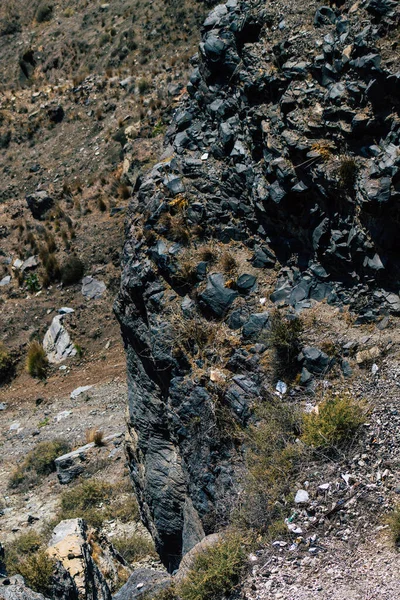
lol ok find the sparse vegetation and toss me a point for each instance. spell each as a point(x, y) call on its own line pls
point(216, 571)
point(88, 500)
point(228, 263)
point(96, 436)
point(393, 521)
point(36, 362)
point(72, 271)
point(26, 556)
point(334, 423)
point(125, 508)
point(40, 461)
point(285, 338)
point(134, 547)
point(347, 172)
point(44, 12)
point(6, 365)
point(273, 459)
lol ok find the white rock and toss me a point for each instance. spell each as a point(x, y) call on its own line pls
point(57, 343)
point(302, 497)
point(80, 390)
point(281, 388)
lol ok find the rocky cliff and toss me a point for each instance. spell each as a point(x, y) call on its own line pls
point(279, 184)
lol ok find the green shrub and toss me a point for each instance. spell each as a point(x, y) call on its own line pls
point(285, 338)
point(394, 525)
point(26, 556)
point(215, 572)
point(40, 461)
point(89, 500)
point(32, 283)
point(273, 462)
point(37, 363)
point(42, 458)
point(335, 423)
point(134, 547)
point(72, 271)
point(44, 12)
point(6, 365)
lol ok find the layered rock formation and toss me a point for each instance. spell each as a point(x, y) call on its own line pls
point(286, 150)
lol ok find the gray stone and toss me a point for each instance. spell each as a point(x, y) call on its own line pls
point(57, 342)
point(144, 582)
point(14, 588)
point(93, 288)
point(5, 281)
point(216, 297)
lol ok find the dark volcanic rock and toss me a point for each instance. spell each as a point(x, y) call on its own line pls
point(216, 298)
point(285, 148)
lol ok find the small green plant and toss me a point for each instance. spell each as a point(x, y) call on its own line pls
point(285, 338)
point(37, 363)
point(88, 500)
point(44, 12)
point(79, 350)
point(44, 423)
point(335, 422)
point(393, 521)
point(32, 283)
point(26, 556)
point(216, 571)
point(6, 365)
point(159, 129)
point(134, 547)
point(72, 271)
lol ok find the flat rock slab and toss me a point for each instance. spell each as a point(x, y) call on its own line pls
point(72, 464)
point(57, 343)
point(93, 288)
point(80, 390)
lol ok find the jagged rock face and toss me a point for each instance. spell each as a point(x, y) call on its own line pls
point(70, 547)
point(284, 145)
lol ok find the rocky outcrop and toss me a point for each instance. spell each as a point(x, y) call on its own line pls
point(69, 545)
point(283, 149)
